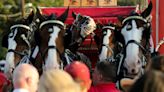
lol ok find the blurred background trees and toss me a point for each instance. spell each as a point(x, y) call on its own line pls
point(10, 10)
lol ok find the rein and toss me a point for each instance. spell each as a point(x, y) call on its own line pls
point(137, 43)
point(145, 51)
point(109, 48)
point(16, 52)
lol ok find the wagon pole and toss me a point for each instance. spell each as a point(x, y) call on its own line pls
point(23, 8)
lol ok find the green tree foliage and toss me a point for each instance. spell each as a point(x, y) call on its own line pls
point(142, 3)
point(49, 3)
point(127, 2)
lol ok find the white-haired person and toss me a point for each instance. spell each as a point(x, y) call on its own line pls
point(25, 78)
point(56, 80)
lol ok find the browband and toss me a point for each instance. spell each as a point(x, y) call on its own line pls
point(110, 27)
point(134, 17)
point(20, 25)
point(51, 21)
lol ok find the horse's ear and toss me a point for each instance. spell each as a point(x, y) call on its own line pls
point(64, 16)
point(120, 18)
point(5, 40)
point(119, 37)
point(97, 32)
point(52, 16)
point(97, 39)
point(111, 24)
point(74, 15)
point(30, 17)
point(39, 15)
point(99, 26)
point(147, 11)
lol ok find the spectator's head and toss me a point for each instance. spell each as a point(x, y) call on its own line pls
point(80, 73)
point(104, 72)
point(26, 76)
point(3, 82)
point(57, 81)
point(157, 63)
point(152, 81)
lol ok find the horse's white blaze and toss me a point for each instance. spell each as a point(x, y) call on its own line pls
point(51, 60)
point(10, 55)
point(103, 54)
point(132, 50)
point(92, 24)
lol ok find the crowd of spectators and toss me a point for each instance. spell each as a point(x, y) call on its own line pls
point(76, 77)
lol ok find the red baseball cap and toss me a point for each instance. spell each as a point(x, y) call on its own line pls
point(78, 70)
point(3, 80)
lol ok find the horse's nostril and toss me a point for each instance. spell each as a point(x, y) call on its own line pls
point(133, 70)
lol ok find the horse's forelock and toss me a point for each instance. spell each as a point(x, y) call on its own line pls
point(134, 13)
point(22, 21)
point(52, 17)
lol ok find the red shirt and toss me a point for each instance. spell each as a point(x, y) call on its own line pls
point(108, 87)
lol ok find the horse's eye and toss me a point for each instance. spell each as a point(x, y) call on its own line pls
point(37, 20)
point(139, 62)
point(50, 30)
point(76, 23)
point(104, 32)
point(87, 22)
point(146, 25)
point(129, 27)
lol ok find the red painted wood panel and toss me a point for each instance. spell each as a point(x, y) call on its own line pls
point(103, 14)
point(161, 22)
